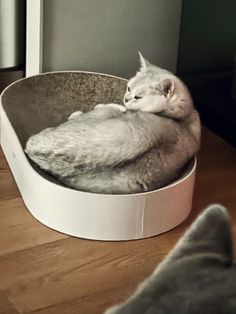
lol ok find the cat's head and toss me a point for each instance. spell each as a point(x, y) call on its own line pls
point(197, 277)
point(157, 90)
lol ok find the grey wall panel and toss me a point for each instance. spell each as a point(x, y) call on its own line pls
point(208, 35)
point(12, 33)
point(104, 35)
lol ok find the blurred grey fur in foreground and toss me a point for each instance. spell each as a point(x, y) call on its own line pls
point(197, 277)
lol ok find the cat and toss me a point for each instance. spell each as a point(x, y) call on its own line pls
point(120, 149)
point(197, 277)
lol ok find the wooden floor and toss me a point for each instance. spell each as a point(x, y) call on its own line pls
point(43, 271)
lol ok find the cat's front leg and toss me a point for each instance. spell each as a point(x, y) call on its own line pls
point(121, 108)
point(75, 114)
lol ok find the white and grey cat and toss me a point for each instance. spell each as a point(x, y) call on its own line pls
point(197, 277)
point(136, 147)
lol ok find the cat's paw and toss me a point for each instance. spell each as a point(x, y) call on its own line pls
point(100, 106)
point(114, 106)
point(75, 114)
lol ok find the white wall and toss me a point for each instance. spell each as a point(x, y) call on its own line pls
point(104, 35)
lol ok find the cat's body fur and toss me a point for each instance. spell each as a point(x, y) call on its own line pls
point(124, 149)
point(197, 277)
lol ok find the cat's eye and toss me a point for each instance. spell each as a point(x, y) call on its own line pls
point(128, 89)
point(137, 97)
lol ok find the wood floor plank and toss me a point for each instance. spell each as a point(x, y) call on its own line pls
point(19, 229)
point(75, 269)
point(8, 187)
point(3, 162)
point(5, 305)
point(216, 174)
point(45, 272)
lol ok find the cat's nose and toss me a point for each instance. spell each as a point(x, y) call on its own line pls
point(126, 100)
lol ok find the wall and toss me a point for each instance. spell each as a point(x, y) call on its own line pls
point(208, 35)
point(104, 35)
point(12, 33)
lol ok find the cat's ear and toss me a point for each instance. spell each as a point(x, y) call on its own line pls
point(167, 87)
point(143, 62)
point(210, 233)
